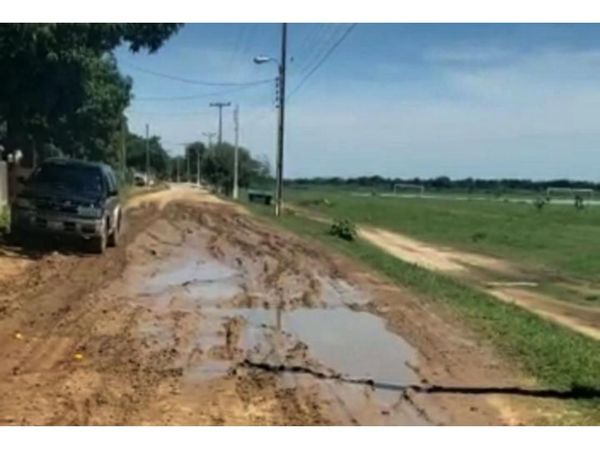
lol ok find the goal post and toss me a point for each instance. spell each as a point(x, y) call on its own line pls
point(406, 188)
point(565, 192)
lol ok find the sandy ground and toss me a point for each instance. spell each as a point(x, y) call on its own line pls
point(482, 271)
point(430, 256)
point(205, 316)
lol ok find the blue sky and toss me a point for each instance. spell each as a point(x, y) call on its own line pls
point(480, 100)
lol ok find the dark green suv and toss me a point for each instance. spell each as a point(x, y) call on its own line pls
point(70, 198)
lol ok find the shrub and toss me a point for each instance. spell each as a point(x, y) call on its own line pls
point(344, 229)
point(539, 203)
point(4, 218)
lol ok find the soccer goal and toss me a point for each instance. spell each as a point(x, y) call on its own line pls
point(413, 189)
point(563, 192)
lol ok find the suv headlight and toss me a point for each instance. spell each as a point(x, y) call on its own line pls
point(22, 202)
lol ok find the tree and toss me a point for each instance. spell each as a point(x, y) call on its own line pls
point(192, 152)
point(136, 155)
point(217, 167)
point(60, 87)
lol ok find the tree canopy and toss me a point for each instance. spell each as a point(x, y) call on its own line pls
point(60, 87)
point(159, 160)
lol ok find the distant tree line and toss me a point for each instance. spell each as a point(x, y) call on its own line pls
point(216, 166)
point(440, 183)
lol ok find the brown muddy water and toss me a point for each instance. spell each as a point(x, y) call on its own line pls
point(328, 334)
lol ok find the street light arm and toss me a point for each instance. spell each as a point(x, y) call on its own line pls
point(262, 59)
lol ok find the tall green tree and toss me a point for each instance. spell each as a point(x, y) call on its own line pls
point(160, 163)
point(60, 87)
point(217, 167)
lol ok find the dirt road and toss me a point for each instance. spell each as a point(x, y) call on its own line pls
point(205, 316)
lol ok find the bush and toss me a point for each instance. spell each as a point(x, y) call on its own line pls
point(4, 218)
point(344, 229)
point(539, 203)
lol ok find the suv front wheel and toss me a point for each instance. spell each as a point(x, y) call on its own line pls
point(97, 244)
point(113, 238)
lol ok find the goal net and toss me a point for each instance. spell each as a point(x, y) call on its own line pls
point(403, 188)
point(562, 192)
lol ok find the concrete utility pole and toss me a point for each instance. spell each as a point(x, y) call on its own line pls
point(280, 128)
point(197, 167)
point(123, 151)
point(220, 105)
point(187, 160)
point(210, 137)
point(236, 162)
point(147, 154)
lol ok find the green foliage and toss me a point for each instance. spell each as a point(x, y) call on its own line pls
point(60, 90)
point(216, 167)
point(4, 217)
point(539, 203)
point(160, 164)
point(344, 229)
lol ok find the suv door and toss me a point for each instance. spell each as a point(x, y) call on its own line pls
point(112, 205)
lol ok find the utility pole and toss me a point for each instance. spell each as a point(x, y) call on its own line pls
point(220, 105)
point(280, 128)
point(123, 151)
point(210, 137)
point(236, 162)
point(187, 159)
point(198, 167)
point(178, 176)
point(147, 154)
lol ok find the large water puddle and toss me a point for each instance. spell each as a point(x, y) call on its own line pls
point(332, 339)
point(353, 344)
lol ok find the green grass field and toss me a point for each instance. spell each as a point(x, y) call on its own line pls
point(555, 356)
point(559, 239)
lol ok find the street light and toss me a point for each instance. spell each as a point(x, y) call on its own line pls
point(262, 59)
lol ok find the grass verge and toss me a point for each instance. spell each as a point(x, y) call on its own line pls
point(555, 356)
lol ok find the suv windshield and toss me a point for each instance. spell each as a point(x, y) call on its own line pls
point(72, 178)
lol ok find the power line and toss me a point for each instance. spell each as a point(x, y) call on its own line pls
point(309, 40)
point(208, 94)
point(323, 38)
point(191, 81)
point(167, 113)
point(323, 59)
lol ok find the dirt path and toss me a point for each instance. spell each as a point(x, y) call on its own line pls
point(205, 316)
point(480, 271)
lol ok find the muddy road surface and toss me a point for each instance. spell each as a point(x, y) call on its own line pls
point(205, 315)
